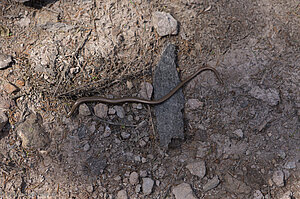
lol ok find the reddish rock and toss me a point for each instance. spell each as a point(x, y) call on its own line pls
point(10, 88)
point(20, 83)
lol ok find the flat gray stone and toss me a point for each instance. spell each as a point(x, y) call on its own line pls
point(169, 115)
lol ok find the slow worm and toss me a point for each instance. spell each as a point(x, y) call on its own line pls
point(139, 100)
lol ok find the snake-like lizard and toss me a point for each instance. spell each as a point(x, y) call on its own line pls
point(139, 100)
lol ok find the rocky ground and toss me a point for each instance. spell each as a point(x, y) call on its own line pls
point(241, 139)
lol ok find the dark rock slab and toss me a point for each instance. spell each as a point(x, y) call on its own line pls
point(169, 115)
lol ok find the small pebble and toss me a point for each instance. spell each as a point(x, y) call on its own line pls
point(286, 174)
point(120, 111)
point(72, 70)
point(139, 106)
point(164, 24)
point(278, 178)
point(157, 182)
point(84, 110)
point(129, 85)
point(197, 168)
point(20, 83)
point(117, 141)
point(107, 132)
point(5, 61)
point(150, 156)
point(144, 160)
point(211, 184)
point(86, 147)
point(111, 111)
point(90, 188)
point(137, 158)
point(101, 110)
point(194, 104)
point(143, 173)
point(10, 88)
point(130, 118)
point(3, 120)
point(92, 127)
point(183, 191)
point(146, 90)
point(290, 165)
point(125, 135)
point(134, 178)
point(258, 195)
point(239, 133)
point(147, 185)
point(142, 124)
point(281, 154)
point(142, 143)
point(138, 188)
point(122, 194)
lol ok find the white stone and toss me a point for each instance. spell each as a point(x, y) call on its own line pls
point(164, 24)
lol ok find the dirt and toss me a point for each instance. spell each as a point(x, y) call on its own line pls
point(247, 131)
